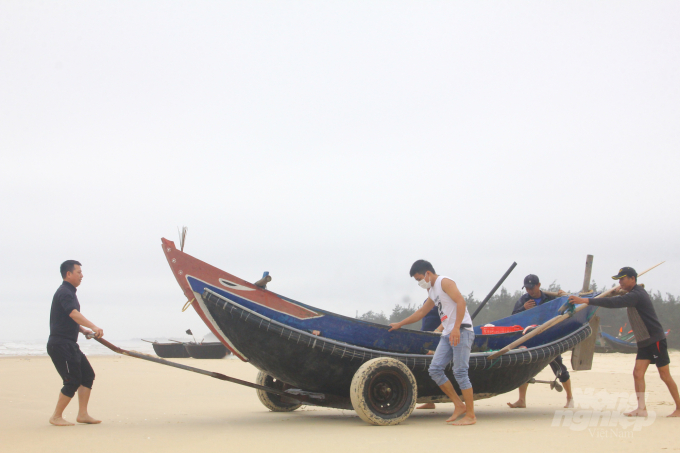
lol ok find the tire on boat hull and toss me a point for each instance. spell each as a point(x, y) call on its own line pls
point(273, 402)
point(383, 391)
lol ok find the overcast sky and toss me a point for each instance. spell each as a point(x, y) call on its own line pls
point(331, 144)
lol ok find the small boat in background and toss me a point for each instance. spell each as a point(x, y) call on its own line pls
point(613, 344)
point(173, 350)
point(625, 344)
point(209, 348)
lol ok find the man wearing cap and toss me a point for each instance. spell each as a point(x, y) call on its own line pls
point(532, 298)
point(650, 337)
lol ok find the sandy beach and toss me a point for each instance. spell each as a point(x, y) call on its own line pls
point(148, 407)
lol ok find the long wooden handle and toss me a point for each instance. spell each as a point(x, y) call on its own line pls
point(500, 282)
point(618, 287)
point(213, 374)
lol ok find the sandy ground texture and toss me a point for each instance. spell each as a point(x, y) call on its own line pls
point(146, 407)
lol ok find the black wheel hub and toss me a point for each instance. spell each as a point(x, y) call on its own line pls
point(387, 392)
point(278, 385)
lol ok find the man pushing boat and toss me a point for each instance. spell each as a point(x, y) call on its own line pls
point(456, 340)
point(650, 337)
point(66, 322)
point(532, 298)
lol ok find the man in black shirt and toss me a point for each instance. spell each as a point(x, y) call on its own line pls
point(66, 322)
point(650, 337)
point(532, 298)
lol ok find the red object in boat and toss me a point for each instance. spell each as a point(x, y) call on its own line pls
point(500, 329)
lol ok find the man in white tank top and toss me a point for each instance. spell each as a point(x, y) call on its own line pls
point(456, 340)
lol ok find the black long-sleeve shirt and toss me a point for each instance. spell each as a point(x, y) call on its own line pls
point(641, 314)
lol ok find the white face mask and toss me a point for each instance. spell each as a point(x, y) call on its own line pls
point(424, 284)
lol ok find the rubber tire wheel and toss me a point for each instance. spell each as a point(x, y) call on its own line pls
point(383, 391)
point(271, 401)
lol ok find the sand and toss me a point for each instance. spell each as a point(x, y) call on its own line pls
point(147, 407)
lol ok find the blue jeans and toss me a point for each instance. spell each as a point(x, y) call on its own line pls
point(461, 360)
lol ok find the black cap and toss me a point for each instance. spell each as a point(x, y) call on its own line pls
point(625, 272)
point(530, 281)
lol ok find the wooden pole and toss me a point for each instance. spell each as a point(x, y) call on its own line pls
point(586, 277)
point(493, 290)
point(212, 374)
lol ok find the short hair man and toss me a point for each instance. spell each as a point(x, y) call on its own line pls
point(66, 322)
point(532, 298)
point(650, 337)
point(456, 340)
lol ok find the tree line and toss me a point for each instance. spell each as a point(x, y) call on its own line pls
point(502, 303)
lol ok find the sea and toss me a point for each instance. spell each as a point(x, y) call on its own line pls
point(89, 347)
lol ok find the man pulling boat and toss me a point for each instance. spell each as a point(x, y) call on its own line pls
point(650, 336)
point(66, 322)
point(456, 340)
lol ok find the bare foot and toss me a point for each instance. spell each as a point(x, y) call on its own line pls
point(570, 403)
point(87, 419)
point(59, 421)
point(636, 413)
point(457, 412)
point(466, 421)
point(676, 413)
point(426, 406)
point(520, 404)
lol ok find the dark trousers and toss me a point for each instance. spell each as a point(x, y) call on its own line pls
point(560, 369)
point(72, 365)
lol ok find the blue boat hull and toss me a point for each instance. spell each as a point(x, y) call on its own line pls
point(613, 344)
point(377, 337)
point(317, 364)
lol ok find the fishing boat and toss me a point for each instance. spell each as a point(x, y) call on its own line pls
point(172, 350)
point(625, 344)
point(382, 386)
point(613, 344)
point(195, 277)
point(214, 350)
point(209, 348)
point(326, 359)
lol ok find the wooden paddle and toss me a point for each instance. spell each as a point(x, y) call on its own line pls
point(556, 320)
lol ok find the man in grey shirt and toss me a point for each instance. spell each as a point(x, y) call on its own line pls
point(650, 337)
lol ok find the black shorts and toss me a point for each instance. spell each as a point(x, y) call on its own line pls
point(656, 353)
point(560, 369)
point(72, 365)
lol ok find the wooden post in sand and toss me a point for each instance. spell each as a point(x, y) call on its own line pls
point(586, 277)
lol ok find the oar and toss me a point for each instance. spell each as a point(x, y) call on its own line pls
point(220, 376)
point(556, 320)
point(488, 296)
point(148, 341)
